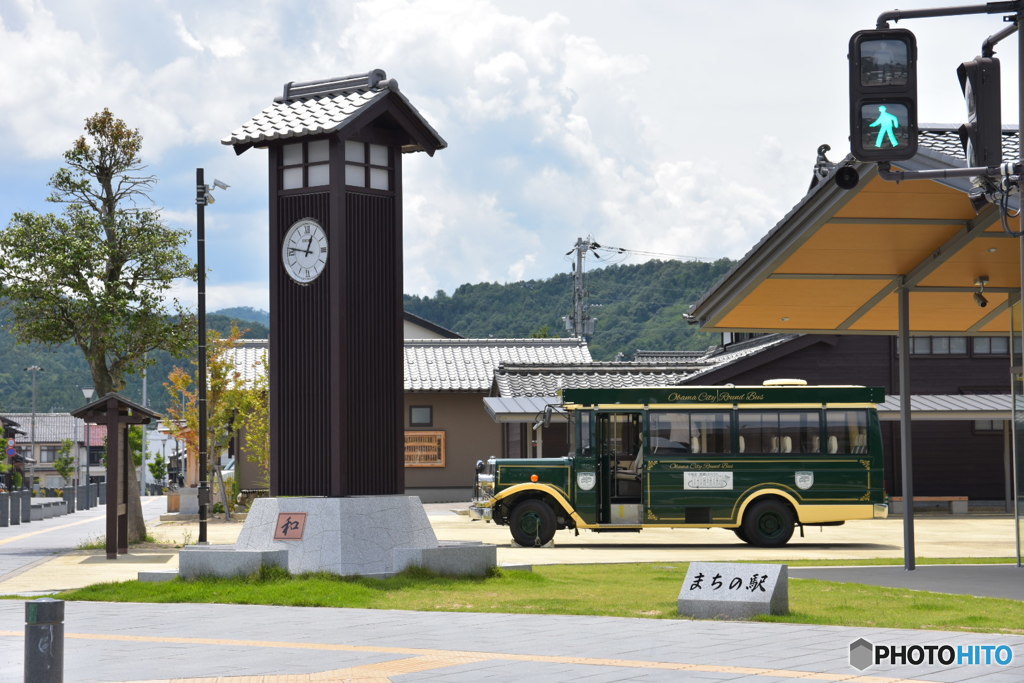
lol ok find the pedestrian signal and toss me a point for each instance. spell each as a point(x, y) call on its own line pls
point(883, 95)
point(982, 135)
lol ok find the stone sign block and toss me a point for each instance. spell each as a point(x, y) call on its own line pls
point(290, 526)
point(727, 590)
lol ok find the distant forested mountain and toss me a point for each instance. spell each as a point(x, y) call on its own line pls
point(636, 306)
point(247, 313)
point(58, 386)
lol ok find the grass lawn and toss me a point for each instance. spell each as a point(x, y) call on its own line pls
point(624, 590)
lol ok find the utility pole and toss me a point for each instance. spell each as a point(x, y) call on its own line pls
point(580, 324)
point(145, 404)
point(34, 369)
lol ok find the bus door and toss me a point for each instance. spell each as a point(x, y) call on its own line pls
point(620, 454)
point(589, 483)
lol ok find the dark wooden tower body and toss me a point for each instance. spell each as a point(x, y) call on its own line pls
point(336, 386)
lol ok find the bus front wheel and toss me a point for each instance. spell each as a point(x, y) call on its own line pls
point(532, 523)
point(768, 524)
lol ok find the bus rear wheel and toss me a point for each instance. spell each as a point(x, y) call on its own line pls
point(532, 523)
point(768, 524)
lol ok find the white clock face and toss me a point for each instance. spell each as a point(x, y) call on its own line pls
point(304, 252)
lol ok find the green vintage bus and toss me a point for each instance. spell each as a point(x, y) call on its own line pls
point(758, 460)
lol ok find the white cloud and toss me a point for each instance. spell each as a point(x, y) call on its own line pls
point(679, 129)
point(255, 293)
point(185, 35)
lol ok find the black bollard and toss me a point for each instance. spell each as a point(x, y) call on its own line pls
point(15, 507)
point(44, 641)
point(26, 506)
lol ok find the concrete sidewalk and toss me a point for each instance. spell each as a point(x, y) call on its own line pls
point(136, 642)
point(938, 536)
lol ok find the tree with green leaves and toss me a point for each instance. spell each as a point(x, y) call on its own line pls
point(255, 422)
point(158, 468)
point(228, 399)
point(65, 463)
point(99, 274)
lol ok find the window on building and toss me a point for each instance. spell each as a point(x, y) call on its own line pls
point(305, 164)
point(421, 416)
point(988, 426)
point(995, 346)
point(47, 453)
point(96, 454)
point(424, 449)
point(367, 165)
point(938, 346)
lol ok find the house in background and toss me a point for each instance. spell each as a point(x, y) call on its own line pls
point(415, 327)
point(51, 430)
point(447, 425)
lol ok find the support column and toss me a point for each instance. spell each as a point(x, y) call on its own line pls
point(906, 454)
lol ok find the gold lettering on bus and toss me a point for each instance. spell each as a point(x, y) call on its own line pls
point(717, 396)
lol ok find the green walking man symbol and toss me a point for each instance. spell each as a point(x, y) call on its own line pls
point(885, 123)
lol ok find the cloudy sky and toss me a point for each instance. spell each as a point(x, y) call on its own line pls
point(661, 126)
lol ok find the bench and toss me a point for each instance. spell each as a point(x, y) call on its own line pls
point(247, 496)
point(957, 504)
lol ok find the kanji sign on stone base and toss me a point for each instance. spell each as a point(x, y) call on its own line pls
point(727, 590)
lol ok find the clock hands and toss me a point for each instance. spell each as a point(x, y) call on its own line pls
point(305, 251)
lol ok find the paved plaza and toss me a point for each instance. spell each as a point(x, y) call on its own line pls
point(145, 642)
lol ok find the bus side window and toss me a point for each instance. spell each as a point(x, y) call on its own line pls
point(801, 431)
point(710, 432)
point(847, 431)
point(670, 433)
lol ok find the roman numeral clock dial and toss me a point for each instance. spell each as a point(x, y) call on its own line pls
point(304, 251)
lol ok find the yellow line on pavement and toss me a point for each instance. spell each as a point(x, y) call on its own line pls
point(426, 659)
point(19, 537)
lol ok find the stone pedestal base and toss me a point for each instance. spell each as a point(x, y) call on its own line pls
point(365, 535)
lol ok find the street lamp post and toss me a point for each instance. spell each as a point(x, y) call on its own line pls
point(35, 370)
point(203, 197)
point(88, 393)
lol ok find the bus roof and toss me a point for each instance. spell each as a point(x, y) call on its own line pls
point(724, 395)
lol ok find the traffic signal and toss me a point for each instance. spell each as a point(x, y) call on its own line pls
point(883, 95)
point(982, 135)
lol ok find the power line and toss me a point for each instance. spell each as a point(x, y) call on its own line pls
point(642, 252)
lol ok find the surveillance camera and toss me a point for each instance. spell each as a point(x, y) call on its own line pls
point(980, 299)
point(847, 178)
point(221, 184)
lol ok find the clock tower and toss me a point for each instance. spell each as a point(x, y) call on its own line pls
point(335, 151)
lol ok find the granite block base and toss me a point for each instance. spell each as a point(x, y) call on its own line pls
point(358, 535)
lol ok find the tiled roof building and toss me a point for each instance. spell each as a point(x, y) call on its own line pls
point(547, 380)
point(469, 364)
point(248, 356)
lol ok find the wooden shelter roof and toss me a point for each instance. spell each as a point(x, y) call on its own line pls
point(128, 412)
point(835, 262)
